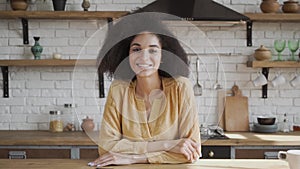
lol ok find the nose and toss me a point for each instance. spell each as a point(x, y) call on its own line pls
point(145, 53)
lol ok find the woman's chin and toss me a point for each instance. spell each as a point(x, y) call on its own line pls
point(146, 73)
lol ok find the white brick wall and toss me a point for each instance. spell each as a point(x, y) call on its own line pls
point(36, 90)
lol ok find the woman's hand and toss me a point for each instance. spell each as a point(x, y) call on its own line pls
point(187, 147)
point(111, 158)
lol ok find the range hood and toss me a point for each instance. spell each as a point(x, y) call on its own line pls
point(199, 10)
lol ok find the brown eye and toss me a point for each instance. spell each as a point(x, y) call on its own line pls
point(135, 49)
point(153, 51)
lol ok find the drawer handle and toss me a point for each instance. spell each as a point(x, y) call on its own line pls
point(211, 153)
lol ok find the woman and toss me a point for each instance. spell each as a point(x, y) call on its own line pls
point(150, 114)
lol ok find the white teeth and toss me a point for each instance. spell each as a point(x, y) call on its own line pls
point(144, 65)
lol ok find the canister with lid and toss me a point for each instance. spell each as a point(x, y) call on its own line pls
point(70, 117)
point(56, 123)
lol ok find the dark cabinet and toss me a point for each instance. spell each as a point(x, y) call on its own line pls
point(216, 152)
point(89, 153)
point(257, 153)
point(38, 153)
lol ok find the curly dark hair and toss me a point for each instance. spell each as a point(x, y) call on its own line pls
point(113, 56)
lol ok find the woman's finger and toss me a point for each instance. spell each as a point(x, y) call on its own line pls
point(91, 164)
point(102, 159)
point(188, 151)
point(185, 153)
point(95, 162)
point(196, 156)
point(196, 146)
point(105, 164)
point(105, 160)
point(198, 149)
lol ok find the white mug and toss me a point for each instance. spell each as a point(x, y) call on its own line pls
point(56, 56)
point(295, 81)
point(292, 157)
point(260, 80)
point(278, 80)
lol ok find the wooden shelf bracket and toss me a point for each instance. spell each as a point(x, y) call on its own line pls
point(4, 70)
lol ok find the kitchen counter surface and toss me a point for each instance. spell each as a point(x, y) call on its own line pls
point(258, 139)
point(39, 138)
point(201, 164)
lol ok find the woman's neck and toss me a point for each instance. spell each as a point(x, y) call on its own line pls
point(144, 85)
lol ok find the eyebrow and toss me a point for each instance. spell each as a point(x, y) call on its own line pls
point(136, 44)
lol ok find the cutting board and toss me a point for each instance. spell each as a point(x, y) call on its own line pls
point(220, 107)
point(236, 111)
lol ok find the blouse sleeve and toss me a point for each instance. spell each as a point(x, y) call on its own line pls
point(188, 126)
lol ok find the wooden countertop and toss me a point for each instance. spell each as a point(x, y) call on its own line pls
point(39, 138)
point(258, 139)
point(201, 164)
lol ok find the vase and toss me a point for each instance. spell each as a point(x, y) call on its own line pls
point(18, 5)
point(87, 124)
point(290, 6)
point(37, 49)
point(263, 53)
point(59, 5)
point(269, 6)
point(85, 5)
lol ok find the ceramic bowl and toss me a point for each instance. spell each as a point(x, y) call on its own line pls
point(290, 6)
point(266, 120)
point(262, 53)
point(269, 6)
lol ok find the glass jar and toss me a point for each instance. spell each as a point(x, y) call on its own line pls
point(296, 125)
point(56, 123)
point(70, 117)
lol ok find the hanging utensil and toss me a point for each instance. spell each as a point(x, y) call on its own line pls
point(217, 86)
point(197, 86)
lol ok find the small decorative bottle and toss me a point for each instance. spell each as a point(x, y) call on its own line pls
point(285, 125)
point(37, 49)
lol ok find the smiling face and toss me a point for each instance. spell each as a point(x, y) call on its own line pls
point(145, 54)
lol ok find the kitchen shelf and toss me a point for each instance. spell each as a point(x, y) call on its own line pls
point(273, 64)
point(81, 15)
point(265, 65)
point(49, 62)
point(275, 17)
point(4, 64)
point(57, 15)
point(61, 14)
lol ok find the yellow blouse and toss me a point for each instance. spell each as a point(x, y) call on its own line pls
point(125, 127)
